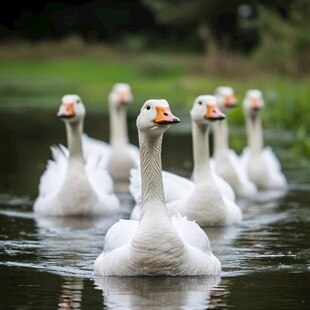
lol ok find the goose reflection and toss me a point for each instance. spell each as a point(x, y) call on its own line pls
point(157, 292)
point(68, 246)
point(268, 195)
point(218, 235)
point(71, 294)
point(75, 223)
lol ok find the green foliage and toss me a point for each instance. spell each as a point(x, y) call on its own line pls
point(277, 30)
point(285, 41)
point(39, 80)
point(302, 146)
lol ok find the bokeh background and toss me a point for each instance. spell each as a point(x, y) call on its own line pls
point(171, 49)
point(164, 49)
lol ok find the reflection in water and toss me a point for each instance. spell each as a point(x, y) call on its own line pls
point(266, 255)
point(71, 294)
point(221, 234)
point(266, 196)
point(80, 223)
point(9, 200)
point(70, 245)
point(157, 292)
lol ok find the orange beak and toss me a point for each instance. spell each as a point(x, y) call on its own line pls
point(230, 102)
point(213, 113)
point(256, 104)
point(165, 117)
point(123, 98)
point(66, 110)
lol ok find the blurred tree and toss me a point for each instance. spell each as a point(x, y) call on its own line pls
point(277, 30)
point(271, 27)
point(95, 20)
point(227, 22)
point(215, 22)
point(284, 35)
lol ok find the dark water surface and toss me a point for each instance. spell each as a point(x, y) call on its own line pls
point(48, 263)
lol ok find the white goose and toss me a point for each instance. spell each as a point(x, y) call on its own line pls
point(226, 162)
point(70, 186)
point(203, 202)
point(262, 165)
point(177, 186)
point(121, 155)
point(156, 244)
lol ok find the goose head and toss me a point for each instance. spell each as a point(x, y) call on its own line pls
point(253, 102)
point(225, 98)
point(120, 95)
point(205, 110)
point(72, 109)
point(155, 117)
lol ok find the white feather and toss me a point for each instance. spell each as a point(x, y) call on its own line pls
point(156, 244)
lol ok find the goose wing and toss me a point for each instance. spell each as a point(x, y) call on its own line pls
point(191, 233)
point(271, 159)
point(175, 186)
point(120, 233)
point(95, 146)
point(98, 176)
point(55, 172)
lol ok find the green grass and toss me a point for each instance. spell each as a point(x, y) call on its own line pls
point(92, 79)
point(40, 80)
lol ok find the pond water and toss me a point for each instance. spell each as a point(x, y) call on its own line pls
point(48, 263)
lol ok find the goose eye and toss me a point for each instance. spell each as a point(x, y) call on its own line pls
point(199, 102)
point(148, 107)
point(78, 101)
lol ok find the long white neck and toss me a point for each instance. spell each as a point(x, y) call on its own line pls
point(76, 158)
point(74, 139)
point(118, 126)
point(152, 189)
point(76, 175)
point(155, 222)
point(254, 133)
point(200, 135)
point(221, 145)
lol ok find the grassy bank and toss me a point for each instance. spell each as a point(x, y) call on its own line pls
point(39, 75)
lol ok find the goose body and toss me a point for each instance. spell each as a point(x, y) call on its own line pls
point(121, 155)
point(162, 293)
point(73, 185)
point(177, 186)
point(202, 202)
point(261, 163)
point(156, 244)
point(226, 162)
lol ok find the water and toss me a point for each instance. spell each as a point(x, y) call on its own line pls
point(48, 263)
